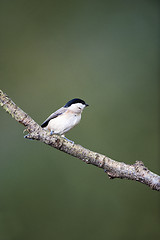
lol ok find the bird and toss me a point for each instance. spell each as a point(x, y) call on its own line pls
point(65, 118)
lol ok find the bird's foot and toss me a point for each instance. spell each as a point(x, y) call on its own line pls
point(68, 139)
point(51, 132)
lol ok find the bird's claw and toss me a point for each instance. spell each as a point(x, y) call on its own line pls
point(51, 132)
point(68, 140)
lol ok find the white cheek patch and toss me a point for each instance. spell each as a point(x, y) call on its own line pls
point(77, 107)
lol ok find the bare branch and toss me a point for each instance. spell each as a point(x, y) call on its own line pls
point(114, 169)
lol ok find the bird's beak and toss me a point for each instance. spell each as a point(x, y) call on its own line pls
point(86, 105)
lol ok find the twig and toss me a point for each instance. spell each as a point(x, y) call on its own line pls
point(114, 169)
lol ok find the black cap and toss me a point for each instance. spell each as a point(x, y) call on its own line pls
point(75, 100)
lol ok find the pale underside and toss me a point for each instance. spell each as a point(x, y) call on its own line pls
point(63, 123)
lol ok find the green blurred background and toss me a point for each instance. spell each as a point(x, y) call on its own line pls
point(107, 53)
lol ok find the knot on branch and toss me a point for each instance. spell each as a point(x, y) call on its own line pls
point(139, 166)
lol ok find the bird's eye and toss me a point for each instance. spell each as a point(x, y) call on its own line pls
point(79, 108)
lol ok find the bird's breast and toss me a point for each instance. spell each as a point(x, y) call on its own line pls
point(64, 122)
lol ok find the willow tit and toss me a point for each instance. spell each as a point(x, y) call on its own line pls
point(65, 118)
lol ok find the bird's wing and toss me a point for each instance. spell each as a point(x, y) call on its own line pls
point(53, 115)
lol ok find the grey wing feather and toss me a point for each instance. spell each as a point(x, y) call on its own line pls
point(53, 115)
